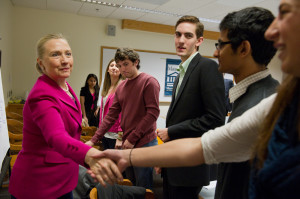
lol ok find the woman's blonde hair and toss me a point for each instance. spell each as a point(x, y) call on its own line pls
point(107, 80)
point(286, 92)
point(40, 47)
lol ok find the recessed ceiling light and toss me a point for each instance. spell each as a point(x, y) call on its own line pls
point(142, 10)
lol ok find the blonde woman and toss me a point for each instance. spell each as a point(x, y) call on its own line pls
point(113, 138)
point(47, 165)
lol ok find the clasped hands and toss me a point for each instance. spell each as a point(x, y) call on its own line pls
point(107, 166)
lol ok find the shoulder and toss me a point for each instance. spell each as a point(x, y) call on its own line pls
point(149, 79)
point(43, 89)
point(83, 91)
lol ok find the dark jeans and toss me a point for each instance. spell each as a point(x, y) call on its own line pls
point(179, 192)
point(108, 143)
point(66, 196)
point(141, 176)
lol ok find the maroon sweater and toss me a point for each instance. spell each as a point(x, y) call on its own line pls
point(138, 100)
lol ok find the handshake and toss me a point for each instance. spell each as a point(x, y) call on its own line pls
point(107, 166)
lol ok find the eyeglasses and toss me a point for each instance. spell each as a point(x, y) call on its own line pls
point(220, 44)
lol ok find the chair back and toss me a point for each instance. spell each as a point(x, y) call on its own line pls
point(13, 115)
point(88, 131)
point(15, 126)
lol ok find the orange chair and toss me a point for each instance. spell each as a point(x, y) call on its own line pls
point(13, 115)
point(149, 193)
point(15, 126)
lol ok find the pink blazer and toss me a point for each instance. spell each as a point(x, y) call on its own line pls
point(116, 127)
point(47, 165)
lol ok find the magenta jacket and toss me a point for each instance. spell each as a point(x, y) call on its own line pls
point(116, 127)
point(47, 165)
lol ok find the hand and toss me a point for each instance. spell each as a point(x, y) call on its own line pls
point(118, 144)
point(163, 134)
point(157, 170)
point(85, 122)
point(120, 157)
point(90, 143)
point(127, 145)
point(96, 112)
point(102, 169)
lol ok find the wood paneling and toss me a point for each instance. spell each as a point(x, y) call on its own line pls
point(160, 28)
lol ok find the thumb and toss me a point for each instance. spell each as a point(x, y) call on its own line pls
point(98, 154)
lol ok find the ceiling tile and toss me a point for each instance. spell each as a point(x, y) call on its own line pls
point(39, 4)
point(96, 10)
point(64, 5)
point(211, 10)
point(138, 4)
point(122, 13)
point(239, 3)
point(182, 7)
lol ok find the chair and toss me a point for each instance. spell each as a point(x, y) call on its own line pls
point(88, 131)
point(148, 195)
point(15, 138)
point(13, 115)
point(15, 141)
point(15, 126)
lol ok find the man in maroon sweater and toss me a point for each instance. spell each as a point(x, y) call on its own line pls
point(137, 98)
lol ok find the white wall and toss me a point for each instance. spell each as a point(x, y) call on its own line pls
point(6, 23)
point(86, 35)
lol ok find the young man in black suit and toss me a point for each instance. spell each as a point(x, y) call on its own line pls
point(197, 106)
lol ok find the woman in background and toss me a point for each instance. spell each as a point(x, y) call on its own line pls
point(47, 165)
point(113, 138)
point(88, 100)
point(272, 127)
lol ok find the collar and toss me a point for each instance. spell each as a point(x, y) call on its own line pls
point(184, 65)
point(241, 88)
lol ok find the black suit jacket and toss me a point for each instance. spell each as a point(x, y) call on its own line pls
point(198, 107)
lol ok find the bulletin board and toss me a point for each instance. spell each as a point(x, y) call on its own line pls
point(4, 141)
point(151, 62)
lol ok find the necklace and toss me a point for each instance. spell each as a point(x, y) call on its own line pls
point(67, 90)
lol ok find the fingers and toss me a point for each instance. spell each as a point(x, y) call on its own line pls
point(104, 171)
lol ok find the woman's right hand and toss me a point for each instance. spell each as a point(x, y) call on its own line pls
point(102, 169)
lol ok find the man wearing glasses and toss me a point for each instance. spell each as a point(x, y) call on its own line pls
point(198, 105)
point(243, 52)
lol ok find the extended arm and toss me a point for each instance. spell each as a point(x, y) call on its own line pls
point(229, 143)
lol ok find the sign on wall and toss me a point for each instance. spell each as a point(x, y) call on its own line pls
point(171, 74)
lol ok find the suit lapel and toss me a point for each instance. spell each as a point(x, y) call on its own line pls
point(189, 71)
point(173, 96)
point(74, 107)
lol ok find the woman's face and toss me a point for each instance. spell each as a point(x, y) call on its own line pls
point(92, 82)
point(285, 32)
point(113, 70)
point(57, 61)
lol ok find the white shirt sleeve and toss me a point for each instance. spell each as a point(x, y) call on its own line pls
point(233, 142)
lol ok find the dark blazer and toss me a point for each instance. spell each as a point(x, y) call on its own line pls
point(228, 85)
point(199, 107)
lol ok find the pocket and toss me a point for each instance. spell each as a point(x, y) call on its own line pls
point(55, 157)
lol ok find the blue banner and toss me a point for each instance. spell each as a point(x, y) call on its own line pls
point(171, 73)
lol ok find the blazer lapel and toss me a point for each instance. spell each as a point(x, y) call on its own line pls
point(173, 96)
point(189, 71)
point(74, 107)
